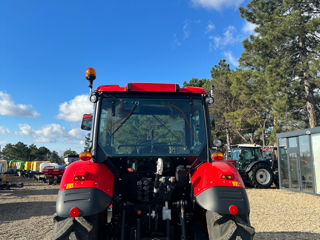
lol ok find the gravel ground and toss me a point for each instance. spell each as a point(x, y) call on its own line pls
point(26, 213)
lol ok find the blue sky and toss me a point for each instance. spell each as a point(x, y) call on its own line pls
point(46, 46)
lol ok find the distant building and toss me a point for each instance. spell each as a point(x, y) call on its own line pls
point(299, 160)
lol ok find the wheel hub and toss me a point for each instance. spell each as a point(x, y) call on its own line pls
point(263, 176)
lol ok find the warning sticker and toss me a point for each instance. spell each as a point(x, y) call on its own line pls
point(69, 185)
point(235, 183)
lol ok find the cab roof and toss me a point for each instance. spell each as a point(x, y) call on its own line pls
point(247, 145)
point(150, 87)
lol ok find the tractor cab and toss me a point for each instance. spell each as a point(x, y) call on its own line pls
point(244, 154)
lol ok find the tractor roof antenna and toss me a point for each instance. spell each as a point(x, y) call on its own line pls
point(90, 76)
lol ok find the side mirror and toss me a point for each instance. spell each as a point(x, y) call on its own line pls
point(86, 122)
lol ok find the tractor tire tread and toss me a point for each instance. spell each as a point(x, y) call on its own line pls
point(61, 227)
point(229, 227)
point(87, 225)
point(73, 228)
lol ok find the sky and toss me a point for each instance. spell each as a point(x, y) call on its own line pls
point(46, 46)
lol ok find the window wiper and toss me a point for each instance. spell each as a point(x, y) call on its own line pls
point(125, 118)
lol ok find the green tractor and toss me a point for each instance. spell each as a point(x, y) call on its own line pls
point(254, 169)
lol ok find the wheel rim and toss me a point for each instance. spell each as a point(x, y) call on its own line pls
point(263, 176)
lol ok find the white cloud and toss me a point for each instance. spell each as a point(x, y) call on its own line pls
point(228, 34)
point(210, 27)
point(249, 27)
point(8, 107)
point(76, 133)
point(25, 129)
point(215, 42)
point(4, 130)
point(176, 40)
point(227, 38)
point(217, 4)
point(50, 133)
point(186, 32)
point(231, 58)
point(73, 110)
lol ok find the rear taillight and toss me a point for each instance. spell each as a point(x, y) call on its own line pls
point(227, 176)
point(74, 212)
point(79, 178)
point(233, 210)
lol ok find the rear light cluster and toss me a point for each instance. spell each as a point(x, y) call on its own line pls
point(228, 177)
point(79, 178)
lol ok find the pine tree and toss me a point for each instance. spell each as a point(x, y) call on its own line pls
point(286, 53)
point(224, 103)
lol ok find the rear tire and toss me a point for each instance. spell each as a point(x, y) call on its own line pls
point(228, 227)
point(261, 176)
point(80, 228)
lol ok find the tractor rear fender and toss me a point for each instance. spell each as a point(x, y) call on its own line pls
point(217, 186)
point(249, 167)
point(86, 186)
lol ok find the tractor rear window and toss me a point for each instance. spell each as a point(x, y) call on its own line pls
point(151, 127)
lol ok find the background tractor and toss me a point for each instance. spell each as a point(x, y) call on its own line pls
point(255, 169)
point(151, 172)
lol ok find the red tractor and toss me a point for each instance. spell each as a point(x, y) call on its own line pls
point(151, 172)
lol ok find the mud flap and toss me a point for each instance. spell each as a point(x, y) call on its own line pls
point(89, 201)
point(228, 227)
point(219, 199)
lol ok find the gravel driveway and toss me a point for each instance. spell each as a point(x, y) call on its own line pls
point(26, 213)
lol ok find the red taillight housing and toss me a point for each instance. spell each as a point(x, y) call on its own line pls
point(217, 156)
point(85, 156)
point(74, 212)
point(233, 210)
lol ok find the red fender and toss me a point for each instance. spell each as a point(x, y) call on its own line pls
point(86, 188)
point(209, 175)
point(218, 187)
point(96, 175)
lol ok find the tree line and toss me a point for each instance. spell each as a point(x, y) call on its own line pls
point(21, 151)
point(276, 87)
